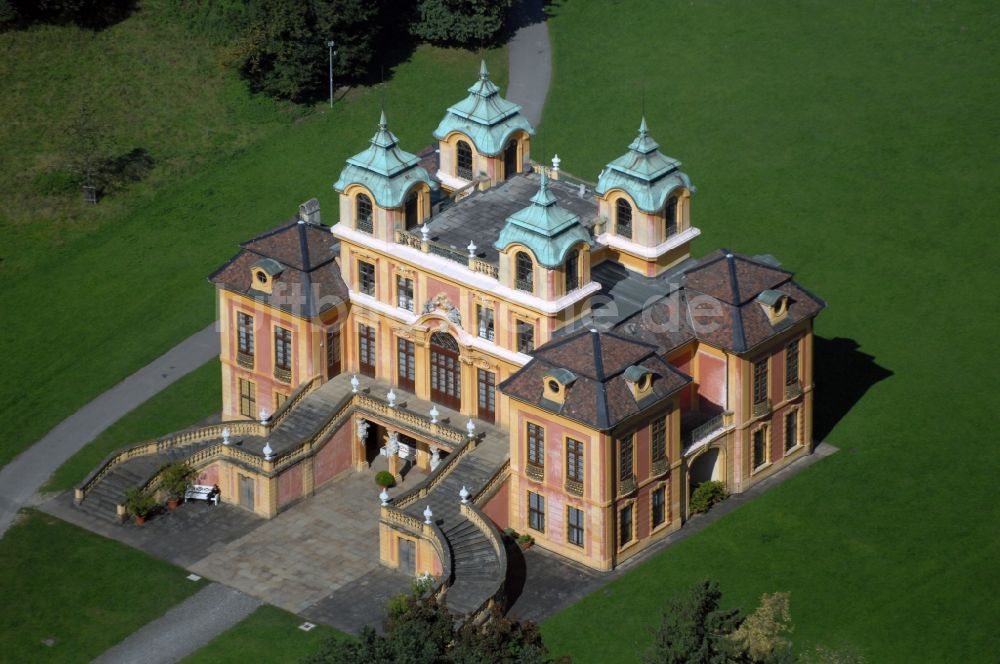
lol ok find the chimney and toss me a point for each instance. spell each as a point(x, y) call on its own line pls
point(309, 211)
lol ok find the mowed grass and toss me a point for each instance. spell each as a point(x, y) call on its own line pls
point(191, 399)
point(858, 143)
point(80, 316)
point(268, 634)
point(82, 590)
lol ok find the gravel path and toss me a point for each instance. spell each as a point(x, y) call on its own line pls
point(183, 629)
point(22, 477)
point(530, 70)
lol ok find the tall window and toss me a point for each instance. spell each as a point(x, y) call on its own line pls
point(671, 217)
point(658, 439)
point(536, 512)
point(658, 501)
point(625, 470)
point(760, 381)
point(405, 366)
point(759, 447)
point(404, 293)
point(411, 210)
point(366, 278)
point(463, 161)
point(248, 398)
point(623, 218)
point(536, 445)
point(363, 213)
point(282, 349)
point(524, 272)
point(244, 324)
point(525, 337)
point(486, 394)
point(625, 525)
point(574, 526)
point(791, 430)
point(484, 317)
point(366, 349)
point(574, 460)
point(573, 270)
point(792, 363)
point(332, 352)
point(279, 400)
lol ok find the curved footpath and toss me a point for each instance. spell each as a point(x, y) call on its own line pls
point(21, 478)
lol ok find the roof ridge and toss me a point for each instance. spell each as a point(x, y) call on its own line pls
point(271, 231)
point(598, 355)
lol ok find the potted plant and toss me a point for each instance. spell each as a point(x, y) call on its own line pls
point(176, 479)
point(139, 504)
point(525, 540)
point(385, 479)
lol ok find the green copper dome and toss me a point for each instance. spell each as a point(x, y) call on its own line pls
point(484, 116)
point(548, 230)
point(644, 173)
point(384, 169)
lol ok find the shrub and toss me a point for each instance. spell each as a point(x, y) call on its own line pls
point(510, 533)
point(526, 539)
point(139, 502)
point(176, 479)
point(706, 495)
point(384, 478)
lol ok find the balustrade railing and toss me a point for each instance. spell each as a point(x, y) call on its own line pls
point(762, 408)
point(484, 267)
point(419, 491)
point(492, 534)
point(793, 390)
point(408, 239)
point(499, 477)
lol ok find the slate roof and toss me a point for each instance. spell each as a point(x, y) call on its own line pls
point(599, 397)
point(482, 216)
point(309, 281)
point(484, 116)
point(646, 174)
point(718, 305)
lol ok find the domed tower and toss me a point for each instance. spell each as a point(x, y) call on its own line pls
point(484, 134)
point(544, 249)
point(383, 188)
point(645, 201)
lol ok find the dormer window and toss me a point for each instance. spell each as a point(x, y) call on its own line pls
point(775, 305)
point(555, 383)
point(263, 273)
point(639, 380)
point(463, 160)
point(524, 272)
point(623, 218)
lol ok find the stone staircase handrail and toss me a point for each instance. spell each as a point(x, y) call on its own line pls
point(495, 538)
point(378, 406)
point(425, 486)
point(500, 476)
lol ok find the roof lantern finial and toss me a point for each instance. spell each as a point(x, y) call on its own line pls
point(643, 127)
point(484, 73)
point(383, 123)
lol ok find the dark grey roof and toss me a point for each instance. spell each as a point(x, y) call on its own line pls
point(481, 216)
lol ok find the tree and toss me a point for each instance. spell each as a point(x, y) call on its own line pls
point(694, 630)
point(759, 636)
point(421, 631)
point(471, 23)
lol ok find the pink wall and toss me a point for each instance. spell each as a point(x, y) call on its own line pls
point(290, 485)
point(712, 382)
point(497, 507)
point(209, 476)
point(335, 456)
point(435, 288)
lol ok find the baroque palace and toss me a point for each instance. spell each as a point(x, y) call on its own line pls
point(544, 349)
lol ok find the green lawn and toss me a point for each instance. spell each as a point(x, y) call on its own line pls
point(858, 142)
point(85, 308)
point(86, 592)
point(268, 634)
point(191, 399)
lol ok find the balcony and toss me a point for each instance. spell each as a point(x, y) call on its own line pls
point(793, 390)
point(535, 472)
point(659, 467)
point(762, 408)
point(284, 375)
point(574, 487)
point(626, 485)
point(698, 428)
point(245, 360)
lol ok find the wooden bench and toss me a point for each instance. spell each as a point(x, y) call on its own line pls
point(203, 492)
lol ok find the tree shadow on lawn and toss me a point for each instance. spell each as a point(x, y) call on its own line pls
point(843, 375)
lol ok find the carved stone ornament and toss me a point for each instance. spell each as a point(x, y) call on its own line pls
point(441, 303)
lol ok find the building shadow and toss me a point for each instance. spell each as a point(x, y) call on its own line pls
point(843, 374)
point(517, 572)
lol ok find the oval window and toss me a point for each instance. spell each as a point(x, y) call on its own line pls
point(261, 277)
point(553, 386)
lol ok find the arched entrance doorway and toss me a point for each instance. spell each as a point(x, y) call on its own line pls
point(446, 379)
point(510, 160)
point(708, 466)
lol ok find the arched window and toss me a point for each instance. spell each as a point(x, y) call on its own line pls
point(524, 272)
point(463, 160)
point(573, 270)
point(411, 210)
point(623, 218)
point(363, 213)
point(671, 217)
